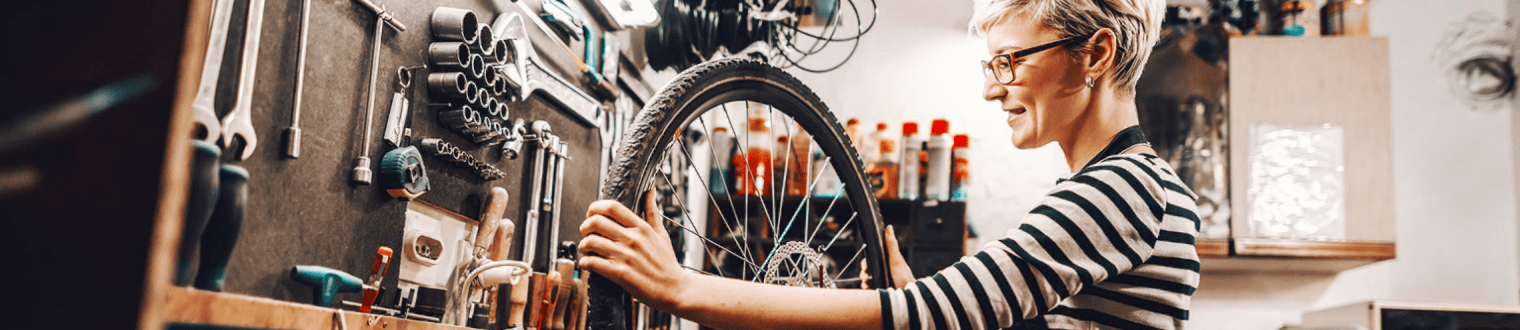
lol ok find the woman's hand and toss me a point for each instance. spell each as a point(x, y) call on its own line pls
point(634, 253)
point(901, 273)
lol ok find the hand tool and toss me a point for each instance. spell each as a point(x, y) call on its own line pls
point(448, 84)
point(525, 70)
point(512, 147)
point(454, 24)
point(237, 123)
point(452, 154)
point(485, 41)
point(395, 124)
point(293, 133)
point(376, 274)
point(539, 295)
point(519, 306)
point(565, 266)
point(204, 180)
point(361, 174)
point(325, 282)
point(402, 174)
point(542, 132)
point(490, 219)
point(581, 300)
point(499, 251)
point(449, 55)
point(561, 152)
point(205, 97)
point(222, 230)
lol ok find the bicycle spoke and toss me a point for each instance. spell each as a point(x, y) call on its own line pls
point(848, 264)
point(685, 151)
point(714, 244)
point(731, 206)
point(764, 211)
point(841, 231)
point(682, 203)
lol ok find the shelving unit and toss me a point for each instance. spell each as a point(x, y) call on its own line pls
point(1311, 81)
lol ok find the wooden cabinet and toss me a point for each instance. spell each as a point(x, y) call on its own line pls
point(1336, 81)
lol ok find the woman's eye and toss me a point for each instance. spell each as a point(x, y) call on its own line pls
point(1001, 65)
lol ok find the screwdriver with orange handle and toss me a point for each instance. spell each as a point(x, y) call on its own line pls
point(376, 274)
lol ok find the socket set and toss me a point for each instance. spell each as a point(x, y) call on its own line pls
point(449, 153)
point(467, 58)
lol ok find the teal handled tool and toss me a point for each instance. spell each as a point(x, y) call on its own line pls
point(204, 180)
point(325, 282)
point(222, 230)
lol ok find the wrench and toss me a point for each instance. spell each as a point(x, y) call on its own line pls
point(205, 99)
point(237, 123)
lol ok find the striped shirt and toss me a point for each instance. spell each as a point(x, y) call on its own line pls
point(1109, 248)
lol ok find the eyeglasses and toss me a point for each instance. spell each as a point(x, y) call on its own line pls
point(1000, 68)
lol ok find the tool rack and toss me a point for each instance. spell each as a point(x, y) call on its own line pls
point(305, 211)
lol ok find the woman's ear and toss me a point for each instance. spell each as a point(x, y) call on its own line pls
point(1102, 49)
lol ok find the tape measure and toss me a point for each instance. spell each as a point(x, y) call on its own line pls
point(402, 174)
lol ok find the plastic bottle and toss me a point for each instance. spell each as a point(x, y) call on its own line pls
point(908, 174)
point(884, 172)
point(798, 166)
point(720, 178)
point(960, 172)
point(754, 173)
point(828, 185)
point(937, 186)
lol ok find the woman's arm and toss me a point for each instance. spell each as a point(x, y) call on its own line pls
point(637, 255)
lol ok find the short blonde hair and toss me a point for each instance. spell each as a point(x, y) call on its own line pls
point(1136, 25)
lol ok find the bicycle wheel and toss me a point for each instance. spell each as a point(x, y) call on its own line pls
point(742, 227)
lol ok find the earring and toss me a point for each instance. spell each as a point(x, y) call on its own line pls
point(1089, 82)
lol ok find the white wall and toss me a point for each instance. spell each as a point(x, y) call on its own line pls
point(1454, 170)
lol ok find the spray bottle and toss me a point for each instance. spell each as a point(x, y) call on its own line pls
point(908, 174)
point(937, 187)
point(960, 177)
point(720, 178)
point(884, 173)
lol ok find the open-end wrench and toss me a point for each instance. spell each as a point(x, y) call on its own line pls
point(293, 133)
point(237, 122)
point(205, 97)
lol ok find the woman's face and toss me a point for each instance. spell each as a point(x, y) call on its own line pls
point(1046, 98)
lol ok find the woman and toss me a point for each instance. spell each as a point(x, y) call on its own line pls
point(1111, 247)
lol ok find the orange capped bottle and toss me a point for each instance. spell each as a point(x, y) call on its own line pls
point(753, 166)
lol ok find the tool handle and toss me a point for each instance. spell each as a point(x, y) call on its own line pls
point(222, 230)
point(382, 261)
point(204, 180)
point(496, 206)
point(504, 232)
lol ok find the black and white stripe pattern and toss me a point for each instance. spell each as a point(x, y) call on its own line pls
point(1110, 248)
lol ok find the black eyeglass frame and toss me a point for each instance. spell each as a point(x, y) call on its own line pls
point(988, 71)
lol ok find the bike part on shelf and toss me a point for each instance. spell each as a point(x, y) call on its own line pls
point(293, 133)
point(205, 97)
point(237, 123)
point(663, 135)
point(402, 174)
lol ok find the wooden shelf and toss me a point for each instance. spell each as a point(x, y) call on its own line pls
point(1290, 255)
point(184, 305)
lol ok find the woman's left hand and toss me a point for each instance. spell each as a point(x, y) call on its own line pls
point(634, 253)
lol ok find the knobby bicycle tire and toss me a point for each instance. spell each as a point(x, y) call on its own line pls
point(678, 105)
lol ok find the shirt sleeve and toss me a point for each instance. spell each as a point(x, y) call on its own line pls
point(1101, 222)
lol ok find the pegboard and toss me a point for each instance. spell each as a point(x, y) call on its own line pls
point(305, 211)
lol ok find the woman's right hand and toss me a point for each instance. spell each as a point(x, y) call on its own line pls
point(632, 252)
point(901, 273)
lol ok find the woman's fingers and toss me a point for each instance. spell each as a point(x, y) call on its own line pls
point(606, 227)
point(652, 212)
point(616, 211)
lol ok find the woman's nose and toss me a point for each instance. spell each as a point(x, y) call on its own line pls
point(992, 90)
